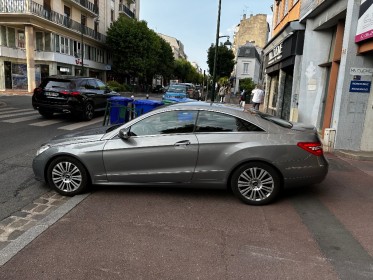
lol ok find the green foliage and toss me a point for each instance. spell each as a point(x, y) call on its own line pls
point(138, 51)
point(185, 72)
point(118, 87)
point(224, 62)
point(247, 84)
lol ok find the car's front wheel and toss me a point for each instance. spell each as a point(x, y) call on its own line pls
point(67, 176)
point(256, 183)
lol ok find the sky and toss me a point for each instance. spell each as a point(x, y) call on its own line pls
point(194, 22)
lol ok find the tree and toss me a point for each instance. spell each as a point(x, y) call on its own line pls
point(137, 51)
point(224, 63)
point(184, 71)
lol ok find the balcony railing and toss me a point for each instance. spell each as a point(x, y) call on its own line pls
point(31, 7)
point(126, 10)
point(85, 4)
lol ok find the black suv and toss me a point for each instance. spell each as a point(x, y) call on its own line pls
point(80, 96)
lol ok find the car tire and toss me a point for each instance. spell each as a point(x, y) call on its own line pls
point(67, 176)
point(256, 183)
point(45, 114)
point(88, 111)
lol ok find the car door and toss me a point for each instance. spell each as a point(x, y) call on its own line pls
point(222, 138)
point(162, 148)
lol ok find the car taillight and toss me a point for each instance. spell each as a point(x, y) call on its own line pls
point(314, 148)
point(72, 93)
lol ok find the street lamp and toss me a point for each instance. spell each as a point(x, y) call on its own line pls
point(227, 43)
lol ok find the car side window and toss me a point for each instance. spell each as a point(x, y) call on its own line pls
point(101, 85)
point(173, 122)
point(91, 84)
point(218, 122)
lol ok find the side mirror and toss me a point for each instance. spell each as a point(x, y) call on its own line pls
point(124, 134)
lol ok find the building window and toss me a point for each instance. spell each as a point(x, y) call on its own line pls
point(245, 68)
point(11, 37)
point(21, 39)
point(48, 41)
point(57, 43)
point(39, 41)
point(3, 37)
point(112, 15)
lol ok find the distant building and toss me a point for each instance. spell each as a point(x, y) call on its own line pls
point(248, 64)
point(44, 37)
point(176, 45)
point(254, 29)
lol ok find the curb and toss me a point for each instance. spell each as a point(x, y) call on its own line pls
point(364, 156)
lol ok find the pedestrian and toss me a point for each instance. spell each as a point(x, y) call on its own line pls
point(258, 96)
point(222, 93)
point(243, 98)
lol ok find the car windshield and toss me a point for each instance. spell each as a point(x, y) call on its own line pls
point(275, 120)
point(178, 89)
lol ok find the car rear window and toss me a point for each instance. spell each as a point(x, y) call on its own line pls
point(276, 120)
point(57, 84)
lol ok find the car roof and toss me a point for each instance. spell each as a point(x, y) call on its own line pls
point(67, 77)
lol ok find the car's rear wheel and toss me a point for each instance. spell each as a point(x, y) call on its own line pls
point(256, 183)
point(45, 114)
point(67, 176)
point(88, 111)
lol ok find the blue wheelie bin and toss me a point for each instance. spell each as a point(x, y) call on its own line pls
point(119, 109)
point(143, 106)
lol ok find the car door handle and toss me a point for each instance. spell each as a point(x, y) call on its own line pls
point(182, 143)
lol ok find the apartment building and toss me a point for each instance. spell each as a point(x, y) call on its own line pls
point(39, 38)
point(176, 45)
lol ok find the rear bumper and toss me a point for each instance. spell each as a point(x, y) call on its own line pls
point(56, 108)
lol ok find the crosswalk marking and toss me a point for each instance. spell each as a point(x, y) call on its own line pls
point(81, 124)
point(47, 122)
point(17, 120)
point(14, 115)
point(6, 109)
point(17, 111)
point(18, 114)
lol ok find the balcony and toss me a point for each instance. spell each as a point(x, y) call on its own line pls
point(123, 9)
point(85, 5)
point(33, 8)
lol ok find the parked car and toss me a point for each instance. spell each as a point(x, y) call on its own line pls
point(194, 144)
point(192, 91)
point(80, 96)
point(176, 91)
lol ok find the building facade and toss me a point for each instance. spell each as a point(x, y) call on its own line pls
point(39, 38)
point(325, 53)
point(282, 60)
point(176, 46)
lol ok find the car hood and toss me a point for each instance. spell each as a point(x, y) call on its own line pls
point(87, 135)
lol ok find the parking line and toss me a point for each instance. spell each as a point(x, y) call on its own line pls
point(6, 109)
point(81, 124)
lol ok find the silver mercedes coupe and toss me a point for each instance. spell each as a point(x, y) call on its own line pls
point(195, 144)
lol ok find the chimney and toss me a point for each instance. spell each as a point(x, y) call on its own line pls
point(244, 16)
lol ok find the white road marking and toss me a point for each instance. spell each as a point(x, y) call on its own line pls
point(17, 111)
point(47, 122)
point(17, 120)
point(18, 114)
point(81, 124)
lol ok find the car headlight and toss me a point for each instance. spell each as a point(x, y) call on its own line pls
point(42, 149)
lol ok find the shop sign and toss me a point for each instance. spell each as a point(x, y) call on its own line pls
point(360, 86)
point(365, 22)
point(275, 55)
point(361, 79)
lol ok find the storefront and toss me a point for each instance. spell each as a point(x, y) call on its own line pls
point(282, 60)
